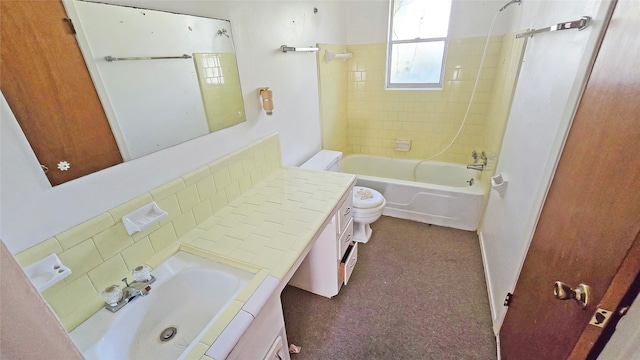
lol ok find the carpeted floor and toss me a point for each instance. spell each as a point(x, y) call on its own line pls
point(417, 292)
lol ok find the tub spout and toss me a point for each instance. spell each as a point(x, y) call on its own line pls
point(478, 167)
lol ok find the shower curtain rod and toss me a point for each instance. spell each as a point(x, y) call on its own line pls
point(577, 24)
point(113, 58)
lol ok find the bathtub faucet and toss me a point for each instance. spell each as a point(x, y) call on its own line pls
point(483, 157)
point(475, 165)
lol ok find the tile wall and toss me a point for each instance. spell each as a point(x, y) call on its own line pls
point(429, 118)
point(220, 88)
point(333, 94)
point(376, 117)
point(99, 252)
point(509, 62)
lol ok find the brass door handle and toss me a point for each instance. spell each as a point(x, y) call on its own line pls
point(581, 294)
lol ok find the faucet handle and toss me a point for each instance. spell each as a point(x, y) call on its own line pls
point(474, 155)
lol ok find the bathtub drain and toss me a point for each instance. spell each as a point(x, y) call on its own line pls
point(168, 333)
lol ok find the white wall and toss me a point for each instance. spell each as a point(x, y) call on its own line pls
point(552, 77)
point(32, 211)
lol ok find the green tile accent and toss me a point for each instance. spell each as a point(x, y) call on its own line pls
point(84, 231)
point(184, 223)
point(167, 189)
point(235, 170)
point(163, 237)
point(206, 187)
point(268, 258)
point(222, 178)
point(137, 253)
point(218, 201)
point(232, 190)
point(202, 211)
point(241, 231)
point(191, 236)
point(245, 183)
point(225, 245)
point(82, 312)
point(242, 255)
point(80, 259)
point(196, 176)
point(108, 273)
point(112, 241)
point(219, 164)
point(170, 204)
point(75, 294)
point(188, 198)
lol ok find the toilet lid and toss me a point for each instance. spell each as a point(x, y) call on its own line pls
point(366, 198)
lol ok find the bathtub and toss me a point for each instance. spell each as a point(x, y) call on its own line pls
point(444, 194)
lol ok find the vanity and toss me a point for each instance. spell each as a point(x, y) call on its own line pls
point(333, 256)
point(244, 210)
point(290, 226)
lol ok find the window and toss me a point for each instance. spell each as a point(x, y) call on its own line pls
point(417, 43)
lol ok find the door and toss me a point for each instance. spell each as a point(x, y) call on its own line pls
point(48, 87)
point(591, 216)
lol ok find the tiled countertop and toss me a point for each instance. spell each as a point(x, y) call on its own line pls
point(267, 229)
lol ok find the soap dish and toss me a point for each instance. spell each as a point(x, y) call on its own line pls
point(46, 272)
point(143, 218)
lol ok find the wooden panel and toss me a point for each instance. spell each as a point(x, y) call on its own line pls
point(592, 212)
point(48, 88)
point(612, 300)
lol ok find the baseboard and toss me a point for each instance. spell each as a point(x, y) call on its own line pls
point(487, 278)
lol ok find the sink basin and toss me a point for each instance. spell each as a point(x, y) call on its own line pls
point(189, 295)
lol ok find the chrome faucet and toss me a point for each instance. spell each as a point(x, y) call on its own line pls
point(478, 167)
point(134, 290)
point(130, 292)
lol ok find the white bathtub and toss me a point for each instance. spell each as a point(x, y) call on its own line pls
point(444, 194)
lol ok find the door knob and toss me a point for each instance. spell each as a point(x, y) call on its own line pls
point(581, 294)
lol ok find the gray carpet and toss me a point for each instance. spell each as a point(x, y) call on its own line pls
point(417, 292)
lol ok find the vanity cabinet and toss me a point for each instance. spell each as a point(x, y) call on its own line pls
point(333, 257)
point(265, 339)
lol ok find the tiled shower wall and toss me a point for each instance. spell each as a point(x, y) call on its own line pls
point(220, 88)
point(333, 98)
point(99, 252)
point(509, 62)
point(376, 117)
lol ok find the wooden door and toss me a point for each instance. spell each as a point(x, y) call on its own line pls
point(592, 213)
point(48, 88)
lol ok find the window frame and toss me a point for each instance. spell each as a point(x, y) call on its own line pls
point(390, 42)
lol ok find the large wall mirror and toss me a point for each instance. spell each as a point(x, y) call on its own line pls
point(162, 78)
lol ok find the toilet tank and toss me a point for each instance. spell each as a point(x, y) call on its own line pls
point(328, 160)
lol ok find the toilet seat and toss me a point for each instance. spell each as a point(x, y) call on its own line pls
point(366, 198)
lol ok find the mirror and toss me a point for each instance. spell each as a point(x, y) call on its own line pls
point(92, 85)
point(163, 78)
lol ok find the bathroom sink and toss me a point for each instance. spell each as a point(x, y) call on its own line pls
point(190, 293)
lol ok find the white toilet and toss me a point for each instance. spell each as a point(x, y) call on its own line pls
point(368, 203)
